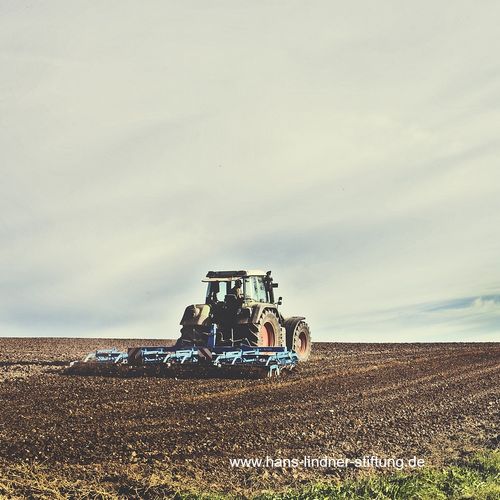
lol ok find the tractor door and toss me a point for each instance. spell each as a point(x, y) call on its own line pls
point(255, 289)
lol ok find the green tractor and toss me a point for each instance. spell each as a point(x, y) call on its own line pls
point(242, 307)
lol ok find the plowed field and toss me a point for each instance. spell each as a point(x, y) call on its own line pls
point(432, 401)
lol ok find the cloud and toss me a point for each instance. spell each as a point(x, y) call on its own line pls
point(463, 319)
point(478, 309)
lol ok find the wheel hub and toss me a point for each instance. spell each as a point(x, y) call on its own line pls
point(267, 334)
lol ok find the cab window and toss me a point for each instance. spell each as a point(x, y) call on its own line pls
point(258, 289)
point(216, 291)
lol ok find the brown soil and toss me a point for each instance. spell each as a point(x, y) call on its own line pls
point(435, 401)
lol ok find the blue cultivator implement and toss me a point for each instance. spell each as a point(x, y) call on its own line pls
point(213, 361)
point(265, 359)
point(100, 362)
point(216, 361)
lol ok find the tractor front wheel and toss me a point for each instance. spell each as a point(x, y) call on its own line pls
point(301, 341)
point(298, 337)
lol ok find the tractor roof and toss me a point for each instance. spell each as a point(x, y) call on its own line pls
point(232, 275)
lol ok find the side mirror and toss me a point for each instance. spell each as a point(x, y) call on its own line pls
point(280, 301)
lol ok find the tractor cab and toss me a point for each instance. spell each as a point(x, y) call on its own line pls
point(239, 286)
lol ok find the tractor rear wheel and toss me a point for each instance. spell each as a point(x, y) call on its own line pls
point(269, 331)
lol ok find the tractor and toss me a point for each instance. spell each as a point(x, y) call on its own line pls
point(242, 306)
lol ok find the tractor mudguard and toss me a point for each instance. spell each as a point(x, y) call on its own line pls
point(196, 315)
point(258, 309)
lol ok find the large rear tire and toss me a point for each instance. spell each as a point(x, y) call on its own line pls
point(269, 331)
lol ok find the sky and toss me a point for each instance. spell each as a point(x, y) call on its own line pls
point(350, 147)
